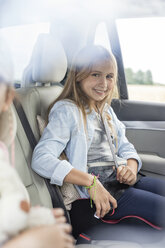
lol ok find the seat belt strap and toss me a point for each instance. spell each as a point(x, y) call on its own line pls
point(107, 130)
point(25, 124)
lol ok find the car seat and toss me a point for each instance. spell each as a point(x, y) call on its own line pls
point(31, 99)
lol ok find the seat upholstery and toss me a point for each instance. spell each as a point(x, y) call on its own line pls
point(48, 65)
point(35, 101)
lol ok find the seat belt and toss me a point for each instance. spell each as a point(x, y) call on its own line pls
point(54, 190)
point(25, 124)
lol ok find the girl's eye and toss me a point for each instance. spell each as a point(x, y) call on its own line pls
point(110, 76)
point(95, 75)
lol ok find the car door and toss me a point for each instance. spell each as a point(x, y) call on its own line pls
point(145, 128)
point(144, 119)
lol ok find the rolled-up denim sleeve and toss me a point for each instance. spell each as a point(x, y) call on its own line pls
point(56, 135)
point(125, 148)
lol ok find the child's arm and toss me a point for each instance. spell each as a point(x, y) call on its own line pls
point(98, 193)
point(56, 135)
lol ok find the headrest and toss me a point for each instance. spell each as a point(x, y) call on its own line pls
point(48, 62)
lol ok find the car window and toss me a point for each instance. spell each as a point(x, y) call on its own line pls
point(21, 40)
point(142, 43)
point(101, 38)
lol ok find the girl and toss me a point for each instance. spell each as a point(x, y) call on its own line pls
point(76, 126)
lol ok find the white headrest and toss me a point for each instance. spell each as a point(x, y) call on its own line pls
point(48, 62)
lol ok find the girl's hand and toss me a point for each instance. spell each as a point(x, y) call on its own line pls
point(102, 199)
point(126, 175)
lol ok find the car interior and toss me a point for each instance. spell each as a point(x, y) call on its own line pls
point(40, 98)
point(42, 82)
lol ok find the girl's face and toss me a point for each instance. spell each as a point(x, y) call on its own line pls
point(99, 83)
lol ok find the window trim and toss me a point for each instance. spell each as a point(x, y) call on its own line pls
point(116, 49)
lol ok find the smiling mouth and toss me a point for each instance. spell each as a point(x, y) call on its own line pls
point(100, 91)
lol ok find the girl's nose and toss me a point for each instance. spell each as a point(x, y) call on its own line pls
point(104, 82)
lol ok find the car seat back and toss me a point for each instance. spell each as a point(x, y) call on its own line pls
point(35, 101)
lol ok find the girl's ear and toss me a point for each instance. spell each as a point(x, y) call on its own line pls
point(9, 98)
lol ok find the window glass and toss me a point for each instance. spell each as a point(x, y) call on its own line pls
point(101, 38)
point(142, 43)
point(21, 40)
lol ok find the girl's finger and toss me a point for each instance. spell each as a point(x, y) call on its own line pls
point(98, 210)
point(119, 169)
point(113, 201)
point(105, 209)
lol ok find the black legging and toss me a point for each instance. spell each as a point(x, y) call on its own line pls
point(144, 203)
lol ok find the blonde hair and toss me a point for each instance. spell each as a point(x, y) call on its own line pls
point(81, 69)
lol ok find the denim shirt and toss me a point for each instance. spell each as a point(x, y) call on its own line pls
point(66, 132)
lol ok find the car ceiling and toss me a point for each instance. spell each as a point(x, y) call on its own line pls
point(17, 12)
